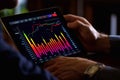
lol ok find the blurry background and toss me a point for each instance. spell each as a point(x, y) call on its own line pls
point(104, 15)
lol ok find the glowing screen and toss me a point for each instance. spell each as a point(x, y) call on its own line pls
point(43, 37)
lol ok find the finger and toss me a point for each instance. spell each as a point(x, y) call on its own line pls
point(75, 25)
point(58, 71)
point(57, 67)
point(68, 75)
point(49, 63)
point(71, 18)
point(51, 68)
point(52, 61)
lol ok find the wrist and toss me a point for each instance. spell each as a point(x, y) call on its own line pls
point(82, 66)
point(92, 70)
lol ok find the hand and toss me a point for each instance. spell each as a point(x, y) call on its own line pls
point(91, 39)
point(68, 68)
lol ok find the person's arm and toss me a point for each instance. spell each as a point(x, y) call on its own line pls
point(76, 68)
point(93, 40)
point(15, 66)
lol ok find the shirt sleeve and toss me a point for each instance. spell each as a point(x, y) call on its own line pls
point(115, 44)
point(108, 73)
point(14, 66)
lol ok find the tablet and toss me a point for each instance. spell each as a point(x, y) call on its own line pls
point(42, 35)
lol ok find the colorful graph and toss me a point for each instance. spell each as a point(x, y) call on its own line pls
point(60, 43)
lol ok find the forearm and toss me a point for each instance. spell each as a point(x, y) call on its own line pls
point(15, 66)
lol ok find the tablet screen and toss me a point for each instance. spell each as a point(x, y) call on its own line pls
point(42, 35)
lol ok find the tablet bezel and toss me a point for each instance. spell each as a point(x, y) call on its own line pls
point(5, 20)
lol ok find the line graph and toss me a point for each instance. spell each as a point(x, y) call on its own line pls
point(35, 27)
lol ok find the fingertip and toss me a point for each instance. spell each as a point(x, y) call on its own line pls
point(48, 63)
point(52, 61)
point(70, 17)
